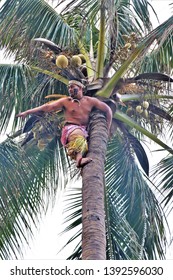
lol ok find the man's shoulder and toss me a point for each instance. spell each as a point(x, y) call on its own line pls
point(60, 102)
point(90, 98)
point(87, 100)
point(64, 99)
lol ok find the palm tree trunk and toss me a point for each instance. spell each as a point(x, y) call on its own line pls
point(93, 213)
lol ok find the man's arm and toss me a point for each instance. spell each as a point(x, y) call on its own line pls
point(104, 108)
point(49, 107)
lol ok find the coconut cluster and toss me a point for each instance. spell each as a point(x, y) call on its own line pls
point(141, 109)
point(44, 131)
point(62, 61)
point(41, 137)
point(130, 43)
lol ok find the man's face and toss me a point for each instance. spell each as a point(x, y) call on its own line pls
point(74, 90)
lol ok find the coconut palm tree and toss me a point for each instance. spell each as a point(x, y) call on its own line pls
point(126, 64)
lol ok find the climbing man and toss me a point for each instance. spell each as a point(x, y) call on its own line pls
point(77, 109)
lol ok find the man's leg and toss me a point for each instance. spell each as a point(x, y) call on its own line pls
point(80, 160)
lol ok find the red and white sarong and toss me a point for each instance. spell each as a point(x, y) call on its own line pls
point(69, 128)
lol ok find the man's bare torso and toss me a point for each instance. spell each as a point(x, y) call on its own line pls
point(77, 111)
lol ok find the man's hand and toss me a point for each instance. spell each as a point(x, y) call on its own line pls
point(22, 115)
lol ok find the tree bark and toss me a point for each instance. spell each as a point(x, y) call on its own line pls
point(93, 213)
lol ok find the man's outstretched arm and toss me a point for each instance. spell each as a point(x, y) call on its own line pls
point(50, 107)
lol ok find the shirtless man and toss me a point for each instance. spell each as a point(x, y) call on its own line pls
point(77, 110)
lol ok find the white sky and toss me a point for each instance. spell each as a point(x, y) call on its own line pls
point(47, 241)
point(163, 9)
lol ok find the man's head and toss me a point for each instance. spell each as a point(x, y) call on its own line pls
point(75, 89)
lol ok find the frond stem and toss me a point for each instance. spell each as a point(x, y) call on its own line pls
point(101, 43)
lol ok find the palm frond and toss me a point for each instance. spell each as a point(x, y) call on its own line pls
point(27, 20)
point(160, 112)
point(49, 44)
point(154, 76)
point(123, 234)
point(141, 9)
point(21, 89)
point(141, 208)
point(16, 84)
point(163, 176)
point(135, 144)
point(122, 117)
point(122, 240)
point(101, 43)
point(160, 59)
point(126, 17)
point(73, 219)
point(163, 31)
point(25, 184)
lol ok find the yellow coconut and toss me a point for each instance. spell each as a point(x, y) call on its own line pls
point(145, 114)
point(127, 46)
point(145, 104)
point(61, 61)
point(139, 109)
point(76, 60)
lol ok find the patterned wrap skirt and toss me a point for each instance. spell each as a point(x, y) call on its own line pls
point(77, 143)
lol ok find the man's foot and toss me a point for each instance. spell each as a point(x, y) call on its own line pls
point(83, 161)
